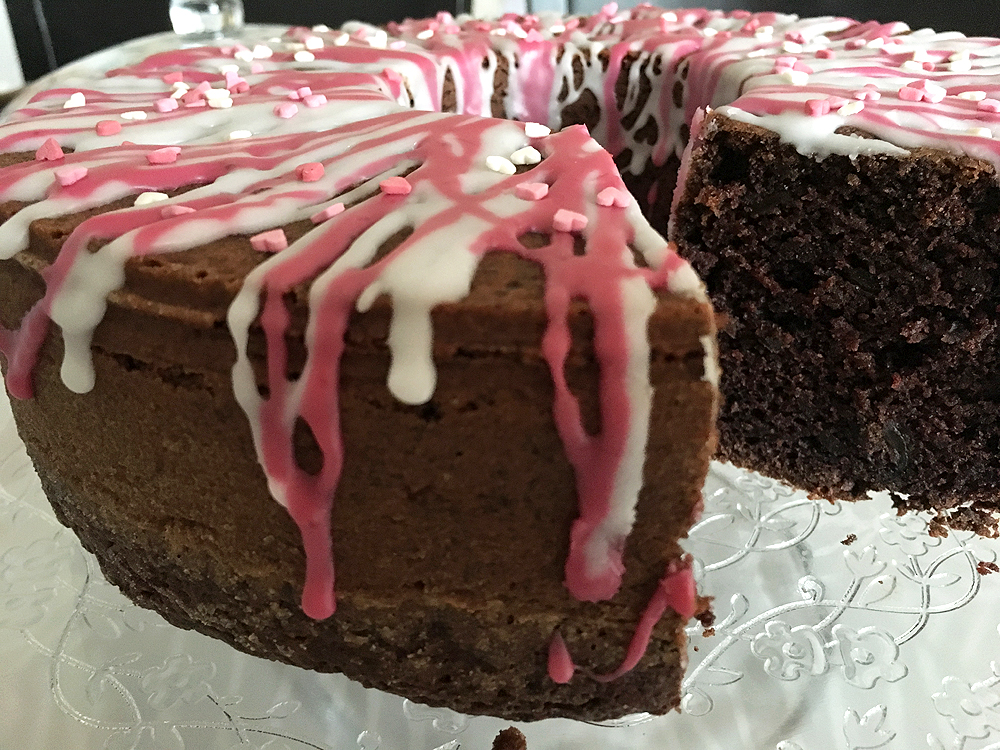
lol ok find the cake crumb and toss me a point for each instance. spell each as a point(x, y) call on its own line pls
point(849, 540)
point(985, 568)
point(708, 632)
point(706, 617)
point(510, 738)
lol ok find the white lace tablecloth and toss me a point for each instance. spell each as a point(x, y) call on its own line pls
point(839, 626)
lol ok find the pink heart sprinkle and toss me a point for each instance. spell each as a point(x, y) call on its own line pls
point(612, 196)
point(391, 75)
point(304, 92)
point(239, 87)
point(286, 110)
point(910, 94)
point(531, 191)
point(67, 176)
point(197, 103)
point(817, 107)
point(203, 86)
point(109, 127)
point(165, 155)
point(167, 104)
point(50, 150)
point(825, 54)
point(327, 213)
point(171, 211)
point(191, 97)
point(989, 105)
point(309, 172)
point(395, 186)
point(836, 102)
point(314, 100)
point(175, 77)
point(568, 221)
point(269, 242)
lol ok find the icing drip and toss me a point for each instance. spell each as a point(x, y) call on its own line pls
point(675, 591)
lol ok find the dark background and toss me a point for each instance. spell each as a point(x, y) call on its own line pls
point(77, 27)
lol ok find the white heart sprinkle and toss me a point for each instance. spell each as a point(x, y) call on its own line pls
point(501, 164)
point(536, 130)
point(526, 155)
point(144, 199)
point(851, 108)
point(795, 77)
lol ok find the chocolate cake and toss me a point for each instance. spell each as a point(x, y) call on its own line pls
point(316, 312)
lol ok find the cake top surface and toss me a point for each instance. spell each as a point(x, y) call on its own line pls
point(828, 85)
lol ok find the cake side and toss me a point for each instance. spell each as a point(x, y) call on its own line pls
point(224, 549)
point(861, 318)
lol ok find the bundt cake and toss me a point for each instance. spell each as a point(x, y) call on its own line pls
point(362, 349)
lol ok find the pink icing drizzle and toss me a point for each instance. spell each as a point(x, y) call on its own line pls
point(676, 591)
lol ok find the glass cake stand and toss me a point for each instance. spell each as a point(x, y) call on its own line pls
point(839, 626)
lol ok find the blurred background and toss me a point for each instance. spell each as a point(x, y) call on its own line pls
point(37, 36)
